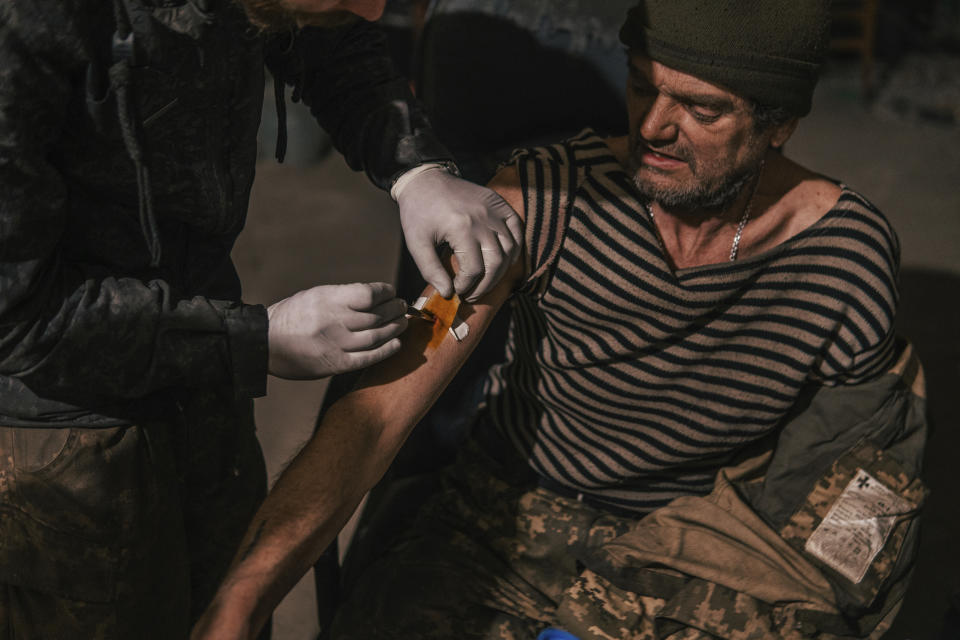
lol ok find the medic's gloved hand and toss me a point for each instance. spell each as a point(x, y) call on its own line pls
point(334, 328)
point(436, 207)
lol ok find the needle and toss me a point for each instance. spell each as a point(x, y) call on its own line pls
point(420, 314)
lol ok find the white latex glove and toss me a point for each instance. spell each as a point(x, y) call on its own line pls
point(334, 328)
point(485, 233)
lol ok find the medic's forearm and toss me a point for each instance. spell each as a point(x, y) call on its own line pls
point(359, 97)
point(72, 328)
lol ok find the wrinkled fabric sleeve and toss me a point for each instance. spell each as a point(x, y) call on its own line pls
point(863, 267)
point(347, 78)
point(68, 329)
point(549, 177)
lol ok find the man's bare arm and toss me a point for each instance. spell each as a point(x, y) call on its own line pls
point(351, 449)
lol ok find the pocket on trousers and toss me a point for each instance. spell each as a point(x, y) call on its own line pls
point(66, 501)
point(34, 449)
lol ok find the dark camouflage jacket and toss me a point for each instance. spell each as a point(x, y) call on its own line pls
point(127, 151)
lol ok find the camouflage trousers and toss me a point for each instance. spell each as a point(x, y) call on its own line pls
point(123, 532)
point(811, 532)
point(491, 556)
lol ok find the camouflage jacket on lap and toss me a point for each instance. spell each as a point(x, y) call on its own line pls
point(815, 537)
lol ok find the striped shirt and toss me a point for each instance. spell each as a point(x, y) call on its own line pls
point(632, 383)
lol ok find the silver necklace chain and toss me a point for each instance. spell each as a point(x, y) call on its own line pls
point(735, 246)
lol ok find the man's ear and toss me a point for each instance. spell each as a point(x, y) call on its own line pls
point(782, 133)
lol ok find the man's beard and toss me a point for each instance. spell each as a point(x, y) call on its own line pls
point(273, 16)
point(710, 195)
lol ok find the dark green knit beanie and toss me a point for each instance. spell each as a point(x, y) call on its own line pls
point(766, 50)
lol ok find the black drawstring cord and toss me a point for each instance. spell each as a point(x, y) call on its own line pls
point(279, 90)
point(129, 127)
point(279, 96)
point(121, 79)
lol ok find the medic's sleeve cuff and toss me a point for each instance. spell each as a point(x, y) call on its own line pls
point(247, 339)
point(404, 179)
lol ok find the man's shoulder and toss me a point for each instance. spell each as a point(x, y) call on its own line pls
point(854, 211)
point(556, 172)
point(586, 148)
point(854, 243)
point(815, 206)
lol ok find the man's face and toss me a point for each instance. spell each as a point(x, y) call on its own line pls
point(693, 145)
point(284, 14)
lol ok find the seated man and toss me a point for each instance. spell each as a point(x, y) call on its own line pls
point(705, 426)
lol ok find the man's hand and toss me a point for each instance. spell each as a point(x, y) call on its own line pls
point(437, 207)
point(334, 328)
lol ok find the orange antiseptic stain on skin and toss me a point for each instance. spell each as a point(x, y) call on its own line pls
point(444, 311)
